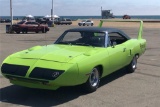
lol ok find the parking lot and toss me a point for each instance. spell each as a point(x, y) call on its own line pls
point(139, 89)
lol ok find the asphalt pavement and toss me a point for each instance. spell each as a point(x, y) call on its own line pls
point(138, 89)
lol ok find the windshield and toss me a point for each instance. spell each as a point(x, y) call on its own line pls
point(83, 20)
point(84, 38)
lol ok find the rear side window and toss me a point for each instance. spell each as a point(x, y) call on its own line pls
point(117, 38)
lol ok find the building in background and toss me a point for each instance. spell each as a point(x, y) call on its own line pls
point(106, 14)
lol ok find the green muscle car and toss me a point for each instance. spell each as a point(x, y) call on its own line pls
point(80, 56)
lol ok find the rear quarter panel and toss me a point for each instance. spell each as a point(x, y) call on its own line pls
point(136, 46)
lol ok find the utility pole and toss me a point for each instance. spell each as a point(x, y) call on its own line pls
point(52, 11)
point(101, 13)
point(11, 13)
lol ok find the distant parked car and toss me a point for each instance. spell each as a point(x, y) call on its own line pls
point(63, 21)
point(42, 20)
point(30, 19)
point(126, 17)
point(5, 20)
point(2, 20)
point(25, 26)
point(86, 22)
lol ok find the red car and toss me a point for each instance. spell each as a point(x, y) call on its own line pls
point(25, 26)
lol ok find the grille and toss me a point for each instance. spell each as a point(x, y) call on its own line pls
point(45, 73)
point(26, 79)
point(19, 70)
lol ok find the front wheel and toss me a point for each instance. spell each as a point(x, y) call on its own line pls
point(37, 31)
point(24, 30)
point(44, 30)
point(132, 66)
point(93, 81)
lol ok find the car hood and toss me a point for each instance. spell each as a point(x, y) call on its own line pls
point(57, 53)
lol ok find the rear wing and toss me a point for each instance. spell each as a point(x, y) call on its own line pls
point(140, 33)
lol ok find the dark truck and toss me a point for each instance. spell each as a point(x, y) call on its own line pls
point(64, 21)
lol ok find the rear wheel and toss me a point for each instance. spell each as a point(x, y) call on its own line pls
point(93, 81)
point(132, 66)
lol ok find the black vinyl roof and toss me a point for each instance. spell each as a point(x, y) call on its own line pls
point(98, 29)
point(94, 29)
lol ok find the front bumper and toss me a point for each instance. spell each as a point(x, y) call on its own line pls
point(49, 76)
point(32, 83)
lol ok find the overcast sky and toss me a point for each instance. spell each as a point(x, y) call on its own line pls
point(80, 7)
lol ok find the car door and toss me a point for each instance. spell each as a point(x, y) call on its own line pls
point(34, 26)
point(117, 51)
point(88, 22)
point(29, 26)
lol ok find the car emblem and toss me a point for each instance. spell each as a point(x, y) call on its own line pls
point(55, 74)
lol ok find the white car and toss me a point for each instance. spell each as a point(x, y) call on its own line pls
point(86, 22)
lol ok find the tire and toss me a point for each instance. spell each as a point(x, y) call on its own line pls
point(91, 24)
point(84, 24)
point(44, 31)
point(37, 31)
point(24, 30)
point(132, 66)
point(93, 81)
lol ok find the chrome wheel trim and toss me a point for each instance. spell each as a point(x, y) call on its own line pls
point(134, 63)
point(94, 77)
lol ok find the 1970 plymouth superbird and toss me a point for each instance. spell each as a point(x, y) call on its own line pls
point(78, 56)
